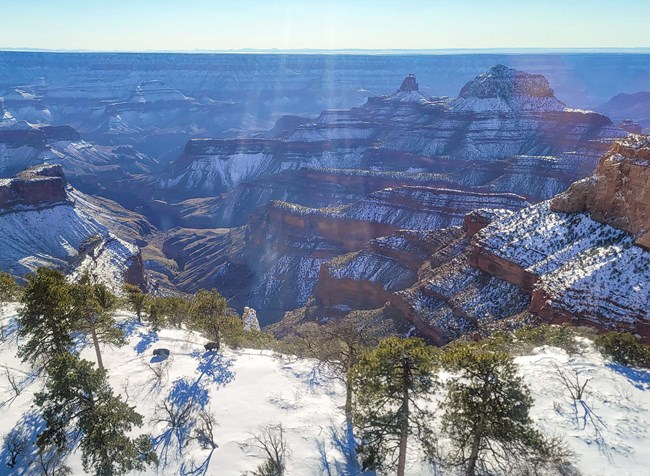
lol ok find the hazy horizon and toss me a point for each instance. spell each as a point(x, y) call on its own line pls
point(336, 25)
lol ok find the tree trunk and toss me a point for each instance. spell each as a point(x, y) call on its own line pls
point(348, 396)
point(93, 333)
point(404, 419)
point(476, 442)
point(217, 339)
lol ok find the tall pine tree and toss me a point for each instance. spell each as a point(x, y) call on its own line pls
point(46, 318)
point(93, 306)
point(487, 417)
point(77, 400)
point(392, 384)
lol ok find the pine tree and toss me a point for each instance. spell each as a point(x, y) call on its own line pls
point(392, 383)
point(176, 309)
point(94, 305)
point(209, 315)
point(9, 288)
point(136, 298)
point(46, 318)
point(156, 313)
point(77, 400)
point(487, 416)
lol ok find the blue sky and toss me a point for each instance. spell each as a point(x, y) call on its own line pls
point(320, 24)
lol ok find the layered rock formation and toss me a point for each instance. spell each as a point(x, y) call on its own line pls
point(37, 186)
point(44, 222)
point(506, 132)
point(578, 258)
point(288, 244)
point(619, 191)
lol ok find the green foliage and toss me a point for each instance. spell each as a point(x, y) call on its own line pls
point(392, 384)
point(175, 309)
point(209, 315)
point(525, 339)
point(47, 316)
point(93, 308)
point(9, 289)
point(486, 416)
point(156, 313)
point(78, 400)
point(624, 348)
point(338, 345)
point(136, 299)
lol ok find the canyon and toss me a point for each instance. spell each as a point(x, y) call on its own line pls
point(449, 215)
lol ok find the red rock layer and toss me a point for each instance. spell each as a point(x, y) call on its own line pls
point(619, 191)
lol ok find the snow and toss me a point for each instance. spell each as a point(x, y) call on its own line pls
point(219, 172)
point(52, 236)
point(588, 267)
point(247, 389)
point(43, 237)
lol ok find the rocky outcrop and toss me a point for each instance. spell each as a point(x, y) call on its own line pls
point(43, 185)
point(619, 191)
point(45, 222)
point(409, 84)
point(575, 269)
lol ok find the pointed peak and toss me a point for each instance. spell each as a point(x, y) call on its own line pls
point(409, 84)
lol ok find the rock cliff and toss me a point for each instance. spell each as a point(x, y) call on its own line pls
point(38, 186)
point(619, 191)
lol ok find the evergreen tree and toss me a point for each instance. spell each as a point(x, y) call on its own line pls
point(156, 313)
point(209, 315)
point(487, 416)
point(46, 318)
point(176, 309)
point(77, 400)
point(136, 298)
point(94, 305)
point(9, 288)
point(392, 384)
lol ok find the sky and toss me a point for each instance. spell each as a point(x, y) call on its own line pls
point(186, 25)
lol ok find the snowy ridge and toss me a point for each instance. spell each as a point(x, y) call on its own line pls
point(52, 236)
point(218, 173)
point(586, 267)
point(44, 237)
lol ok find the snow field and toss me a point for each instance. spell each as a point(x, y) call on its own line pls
point(247, 389)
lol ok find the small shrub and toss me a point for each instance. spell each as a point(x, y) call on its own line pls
point(624, 348)
point(525, 339)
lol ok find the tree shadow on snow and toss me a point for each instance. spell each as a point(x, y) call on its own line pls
point(19, 445)
point(10, 329)
point(345, 443)
point(146, 340)
point(129, 327)
point(638, 377)
point(185, 400)
point(19, 455)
